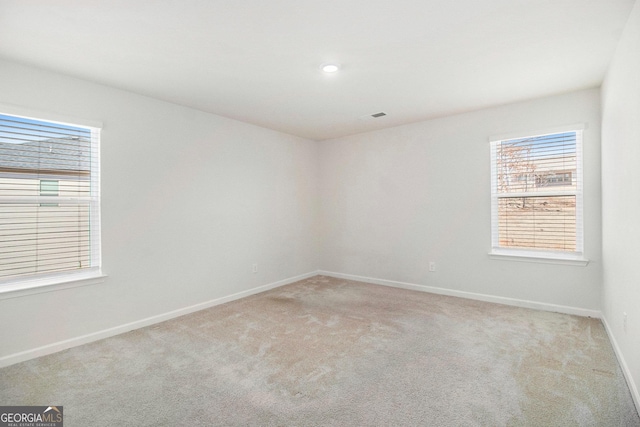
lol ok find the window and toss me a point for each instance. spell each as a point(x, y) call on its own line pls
point(536, 195)
point(557, 178)
point(48, 188)
point(49, 200)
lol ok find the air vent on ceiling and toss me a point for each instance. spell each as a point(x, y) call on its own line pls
point(373, 116)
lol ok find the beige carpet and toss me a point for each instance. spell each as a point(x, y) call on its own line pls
point(325, 351)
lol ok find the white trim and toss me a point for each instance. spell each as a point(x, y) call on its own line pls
point(45, 199)
point(580, 192)
point(44, 282)
point(538, 132)
point(30, 113)
point(633, 388)
point(51, 283)
point(542, 257)
point(519, 195)
point(95, 215)
point(106, 333)
point(470, 295)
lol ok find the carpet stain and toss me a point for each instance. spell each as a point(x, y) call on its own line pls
point(603, 372)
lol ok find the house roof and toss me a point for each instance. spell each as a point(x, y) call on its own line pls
point(52, 156)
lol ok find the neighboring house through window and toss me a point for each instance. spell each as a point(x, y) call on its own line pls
point(536, 195)
point(49, 200)
point(48, 187)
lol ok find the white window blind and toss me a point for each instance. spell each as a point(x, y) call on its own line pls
point(49, 199)
point(536, 194)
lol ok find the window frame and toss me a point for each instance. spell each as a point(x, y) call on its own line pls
point(530, 254)
point(47, 282)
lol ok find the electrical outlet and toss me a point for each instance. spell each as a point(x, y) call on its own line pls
point(624, 321)
point(255, 268)
point(432, 266)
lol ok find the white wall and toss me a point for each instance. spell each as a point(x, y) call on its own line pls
point(189, 202)
point(621, 198)
point(394, 199)
point(227, 195)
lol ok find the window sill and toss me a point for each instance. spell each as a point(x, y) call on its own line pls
point(49, 284)
point(542, 258)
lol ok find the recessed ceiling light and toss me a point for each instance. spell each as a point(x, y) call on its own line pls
point(329, 68)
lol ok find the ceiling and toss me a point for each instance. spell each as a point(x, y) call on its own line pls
point(259, 61)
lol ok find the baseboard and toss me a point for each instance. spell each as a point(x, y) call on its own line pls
point(508, 301)
point(470, 295)
point(95, 336)
point(106, 333)
point(633, 388)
